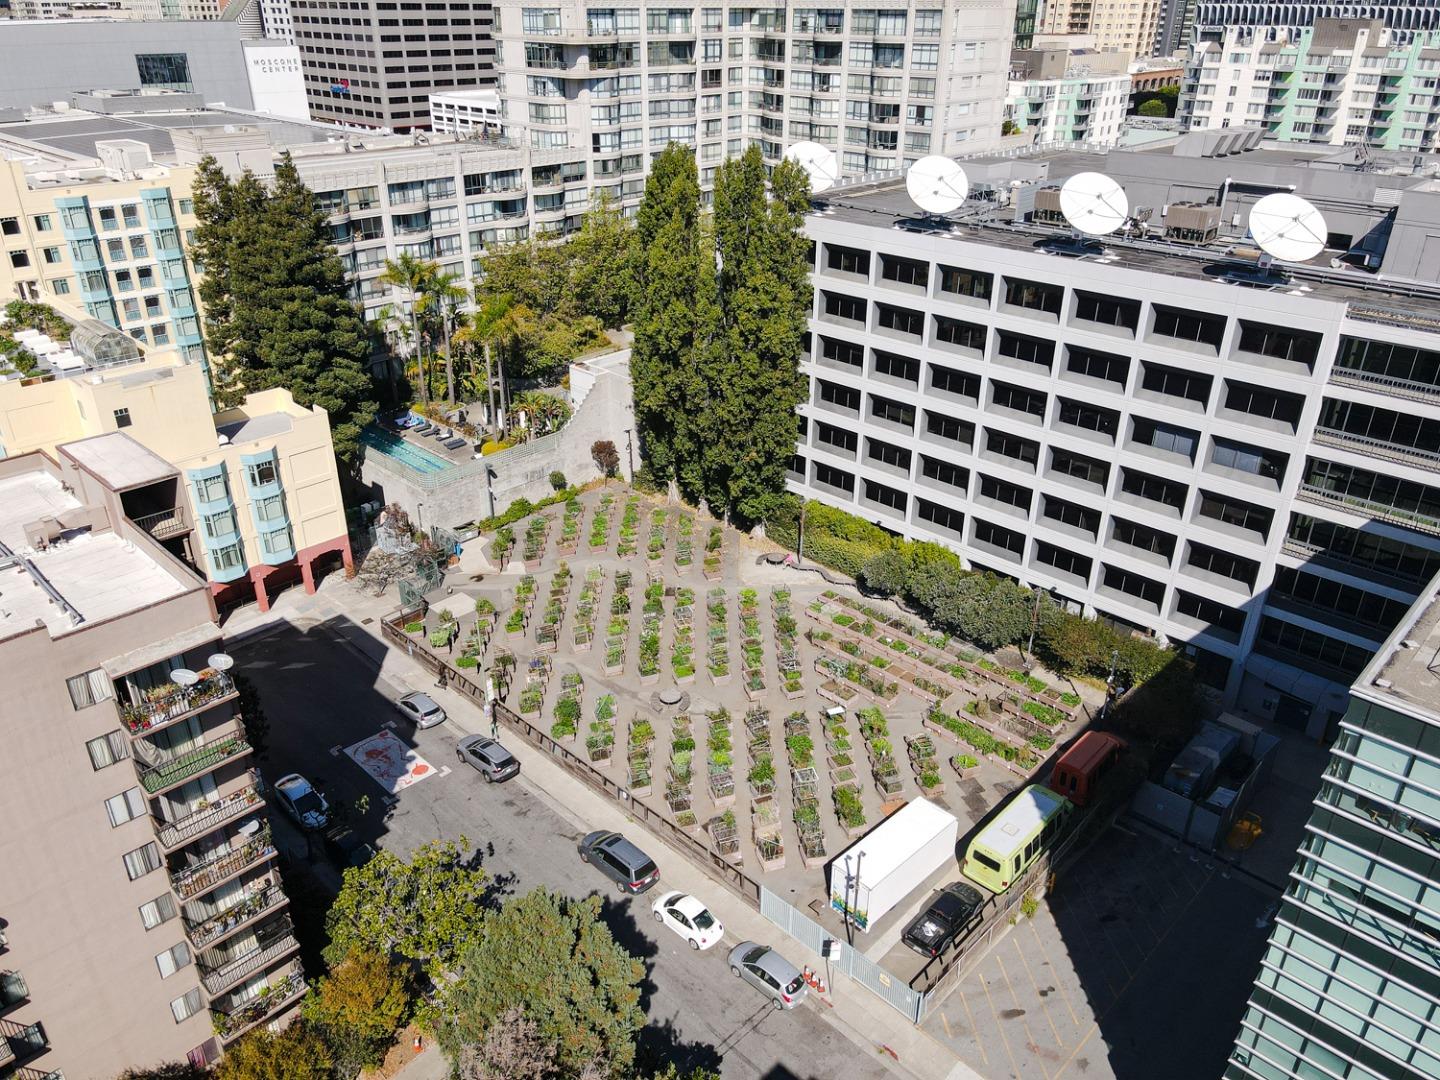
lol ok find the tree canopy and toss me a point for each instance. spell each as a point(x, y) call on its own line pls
point(277, 310)
point(358, 1007)
point(426, 910)
point(296, 1053)
point(720, 323)
point(554, 959)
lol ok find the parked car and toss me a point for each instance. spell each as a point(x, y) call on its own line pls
point(955, 908)
point(488, 758)
point(302, 802)
point(421, 710)
point(689, 918)
point(347, 847)
point(621, 861)
point(769, 972)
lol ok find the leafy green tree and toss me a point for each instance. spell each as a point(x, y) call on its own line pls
point(667, 266)
point(283, 316)
point(990, 611)
point(358, 1007)
point(411, 277)
point(886, 573)
point(555, 959)
point(765, 301)
point(427, 910)
point(297, 1053)
point(601, 262)
point(1153, 107)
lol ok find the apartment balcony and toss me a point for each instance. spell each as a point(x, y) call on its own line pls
point(174, 834)
point(222, 866)
point(162, 774)
point(233, 1021)
point(265, 953)
point(19, 1043)
point(1384, 451)
point(1313, 493)
point(165, 524)
point(164, 705)
point(261, 900)
point(24, 1073)
point(1318, 556)
point(13, 990)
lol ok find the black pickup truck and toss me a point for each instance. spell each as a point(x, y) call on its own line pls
point(954, 908)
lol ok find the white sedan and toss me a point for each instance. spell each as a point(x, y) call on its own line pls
point(689, 918)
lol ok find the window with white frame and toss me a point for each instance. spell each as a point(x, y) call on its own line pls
point(107, 750)
point(173, 959)
point(127, 806)
point(91, 687)
point(142, 861)
point(158, 911)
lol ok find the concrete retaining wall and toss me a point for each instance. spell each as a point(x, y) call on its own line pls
point(459, 495)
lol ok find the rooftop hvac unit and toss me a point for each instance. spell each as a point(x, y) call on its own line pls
point(1047, 207)
point(1192, 223)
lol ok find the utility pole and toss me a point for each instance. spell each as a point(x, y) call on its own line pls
point(630, 451)
point(800, 539)
point(1034, 623)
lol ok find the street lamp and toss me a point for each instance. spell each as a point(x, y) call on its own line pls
point(630, 451)
point(800, 539)
point(419, 518)
point(490, 474)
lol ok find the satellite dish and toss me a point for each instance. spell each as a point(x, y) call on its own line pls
point(819, 163)
point(1288, 227)
point(936, 184)
point(221, 661)
point(184, 677)
point(1094, 204)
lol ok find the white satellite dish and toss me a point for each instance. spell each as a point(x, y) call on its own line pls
point(184, 677)
point(819, 163)
point(936, 184)
point(1094, 204)
point(221, 661)
point(1288, 227)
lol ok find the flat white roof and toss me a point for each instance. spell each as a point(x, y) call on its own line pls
point(119, 460)
point(1026, 812)
point(98, 575)
point(895, 839)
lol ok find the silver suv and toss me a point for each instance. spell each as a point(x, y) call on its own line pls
point(621, 861)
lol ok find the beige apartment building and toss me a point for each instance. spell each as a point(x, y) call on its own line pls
point(1123, 26)
point(142, 918)
point(259, 504)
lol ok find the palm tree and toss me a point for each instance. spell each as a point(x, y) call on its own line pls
point(498, 325)
point(413, 277)
point(443, 297)
point(394, 324)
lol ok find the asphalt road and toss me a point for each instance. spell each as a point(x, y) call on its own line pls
point(319, 695)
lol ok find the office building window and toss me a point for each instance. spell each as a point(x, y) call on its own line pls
point(107, 750)
point(842, 352)
point(87, 689)
point(165, 71)
point(122, 418)
point(185, 1007)
point(942, 517)
point(885, 496)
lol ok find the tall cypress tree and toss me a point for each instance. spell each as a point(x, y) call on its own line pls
point(765, 301)
point(667, 257)
point(281, 316)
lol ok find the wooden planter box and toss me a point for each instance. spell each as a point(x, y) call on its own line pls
point(533, 714)
point(599, 757)
point(793, 695)
point(582, 646)
point(515, 635)
point(724, 802)
point(721, 680)
point(649, 680)
point(777, 863)
point(754, 695)
point(641, 792)
point(854, 831)
point(615, 669)
point(839, 776)
point(814, 862)
point(714, 575)
point(532, 565)
point(932, 792)
point(685, 680)
point(836, 697)
point(565, 551)
point(967, 774)
point(547, 646)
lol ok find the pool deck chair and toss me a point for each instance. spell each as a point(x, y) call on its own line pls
point(424, 429)
point(453, 444)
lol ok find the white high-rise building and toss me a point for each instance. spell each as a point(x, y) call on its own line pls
point(277, 20)
point(879, 87)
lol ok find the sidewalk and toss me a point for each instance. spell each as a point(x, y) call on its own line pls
point(876, 1029)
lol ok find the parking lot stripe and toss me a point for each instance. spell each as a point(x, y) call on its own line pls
point(1059, 984)
point(1036, 987)
point(995, 1014)
point(975, 1031)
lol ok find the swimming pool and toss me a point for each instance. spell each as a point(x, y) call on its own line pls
point(393, 446)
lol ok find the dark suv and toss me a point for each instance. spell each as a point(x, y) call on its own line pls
point(621, 861)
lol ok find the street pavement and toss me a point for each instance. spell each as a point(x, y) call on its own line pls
point(321, 694)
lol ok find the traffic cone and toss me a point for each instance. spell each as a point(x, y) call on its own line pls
point(417, 1044)
point(820, 985)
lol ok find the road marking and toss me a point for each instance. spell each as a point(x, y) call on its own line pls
point(946, 1024)
point(1059, 984)
point(1030, 1044)
point(337, 750)
point(390, 724)
point(998, 1027)
point(974, 1030)
point(1036, 986)
point(444, 771)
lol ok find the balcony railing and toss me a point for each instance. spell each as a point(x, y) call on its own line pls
point(20, 1042)
point(257, 903)
point(12, 989)
point(1375, 447)
point(175, 833)
point(1423, 522)
point(194, 880)
point(1403, 388)
point(220, 979)
point(161, 775)
point(24, 1073)
point(164, 704)
point(165, 524)
point(235, 1021)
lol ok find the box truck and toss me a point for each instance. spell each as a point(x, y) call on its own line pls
point(881, 869)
